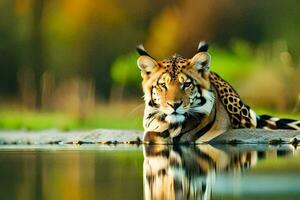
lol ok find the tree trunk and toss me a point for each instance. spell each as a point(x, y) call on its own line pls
point(37, 48)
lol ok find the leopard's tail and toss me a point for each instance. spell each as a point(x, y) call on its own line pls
point(269, 122)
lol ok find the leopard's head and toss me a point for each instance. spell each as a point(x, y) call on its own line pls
point(175, 89)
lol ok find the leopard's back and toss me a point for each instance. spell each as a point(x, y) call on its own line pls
point(241, 115)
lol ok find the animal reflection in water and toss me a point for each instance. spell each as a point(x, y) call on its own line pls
point(189, 172)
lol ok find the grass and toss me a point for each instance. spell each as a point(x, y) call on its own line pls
point(121, 116)
point(41, 120)
point(104, 116)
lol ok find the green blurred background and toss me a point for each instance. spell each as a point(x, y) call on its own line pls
point(71, 64)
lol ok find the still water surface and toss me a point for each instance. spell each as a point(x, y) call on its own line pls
point(149, 172)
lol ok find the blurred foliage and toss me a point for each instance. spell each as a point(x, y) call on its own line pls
point(232, 64)
point(122, 71)
point(65, 56)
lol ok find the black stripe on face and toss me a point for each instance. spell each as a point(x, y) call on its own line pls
point(151, 103)
point(151, 115)
point(194, 83)
point(201, 98)
point(199, 89)
point(158, 83)
point(202, 101)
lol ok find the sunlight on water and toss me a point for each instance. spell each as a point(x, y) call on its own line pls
point(151, 172)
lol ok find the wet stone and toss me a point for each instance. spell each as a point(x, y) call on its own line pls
point(105, 136)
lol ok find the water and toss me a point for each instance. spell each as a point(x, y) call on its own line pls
point(153, 172)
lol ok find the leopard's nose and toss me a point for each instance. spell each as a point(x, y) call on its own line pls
point(175, 105)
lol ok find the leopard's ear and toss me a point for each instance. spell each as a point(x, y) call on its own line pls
point(145, 62)
point(141, 50)
point(201, 61)
point(202, 47)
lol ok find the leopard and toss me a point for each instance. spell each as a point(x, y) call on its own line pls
point(186, 102)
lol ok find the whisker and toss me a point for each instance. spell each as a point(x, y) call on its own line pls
point(135, 109)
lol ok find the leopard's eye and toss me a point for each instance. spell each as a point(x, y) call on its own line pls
point(187, 84)
point(162, 85)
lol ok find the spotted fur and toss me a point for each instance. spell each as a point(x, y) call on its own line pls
point(241, 116)
point(186, 102)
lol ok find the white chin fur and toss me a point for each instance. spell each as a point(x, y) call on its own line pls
point(173, 119)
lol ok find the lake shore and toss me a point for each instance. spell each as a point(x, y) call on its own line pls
point(110, 137)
